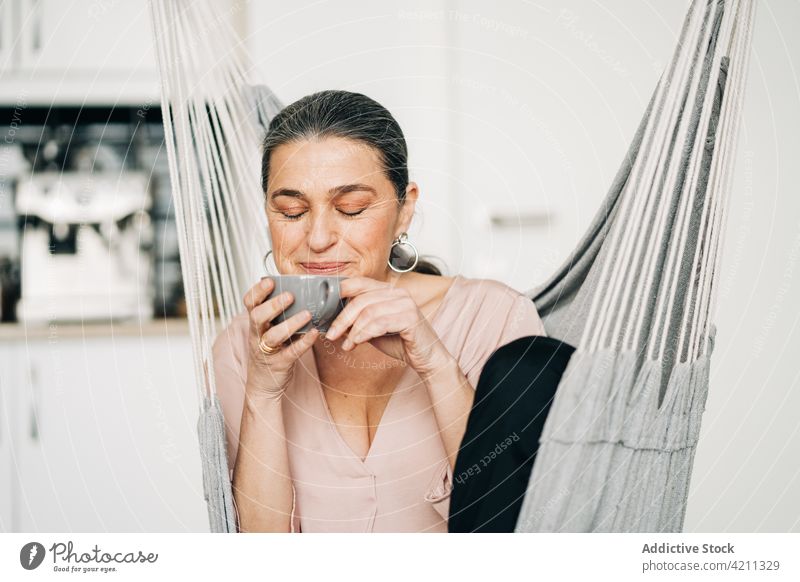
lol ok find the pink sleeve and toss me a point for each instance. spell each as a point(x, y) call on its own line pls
point(518, 318)
point(439, 490)
point(231, 377)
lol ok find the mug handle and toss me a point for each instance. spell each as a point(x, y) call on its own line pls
point(331, 299)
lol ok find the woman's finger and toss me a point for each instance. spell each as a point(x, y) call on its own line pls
point(299, 346)
point(258, 292)
point(278, 334)
point(263, 315)
point(376, 324)
point(356, 306)
point(353, 286)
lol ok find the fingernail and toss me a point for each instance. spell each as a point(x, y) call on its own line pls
point(331, 332)
point(347, 344)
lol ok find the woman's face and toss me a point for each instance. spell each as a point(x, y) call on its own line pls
point(332, 210)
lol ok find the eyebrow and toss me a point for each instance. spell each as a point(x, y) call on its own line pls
point(333, 192)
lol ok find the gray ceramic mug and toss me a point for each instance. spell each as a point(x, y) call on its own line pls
point(317, 293)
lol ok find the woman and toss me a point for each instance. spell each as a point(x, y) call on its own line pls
point(356, 430)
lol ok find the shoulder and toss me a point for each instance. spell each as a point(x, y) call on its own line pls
point(488, 286)
point(428, 286)
point(489, 294)
point(433, 288)
point(485, 307)
point(230, 344)
point(485, 315)
point(497, 313)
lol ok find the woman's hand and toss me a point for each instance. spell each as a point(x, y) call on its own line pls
point(389, 319)
point(268, 375)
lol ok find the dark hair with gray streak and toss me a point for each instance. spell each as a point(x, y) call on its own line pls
point(344, 114)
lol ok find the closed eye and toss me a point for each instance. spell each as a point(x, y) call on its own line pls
point(353, 213)
point(298, 215)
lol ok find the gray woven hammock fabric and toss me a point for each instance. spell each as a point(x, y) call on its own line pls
point(635, 297)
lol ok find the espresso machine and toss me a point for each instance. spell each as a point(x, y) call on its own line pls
point(85, 246)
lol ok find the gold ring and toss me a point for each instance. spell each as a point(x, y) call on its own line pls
point(267, 349)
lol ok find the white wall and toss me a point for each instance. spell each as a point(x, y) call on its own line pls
point(522, 107)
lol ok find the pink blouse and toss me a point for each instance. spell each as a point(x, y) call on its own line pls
point(404, 483)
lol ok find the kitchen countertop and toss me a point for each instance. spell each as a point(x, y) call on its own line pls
point(154, 327)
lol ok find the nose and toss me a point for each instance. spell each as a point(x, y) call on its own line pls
point(322, 233)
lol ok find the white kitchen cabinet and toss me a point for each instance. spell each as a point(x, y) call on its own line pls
point(106, 438)
point(86, 36)
point(77, 51)
point(7, 418)
point(6, 33)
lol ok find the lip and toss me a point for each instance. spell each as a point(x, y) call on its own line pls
point(326, 267)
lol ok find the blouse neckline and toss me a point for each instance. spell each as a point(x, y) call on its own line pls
point(388, 409)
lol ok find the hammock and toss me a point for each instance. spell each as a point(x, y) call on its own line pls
point(636, 297)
